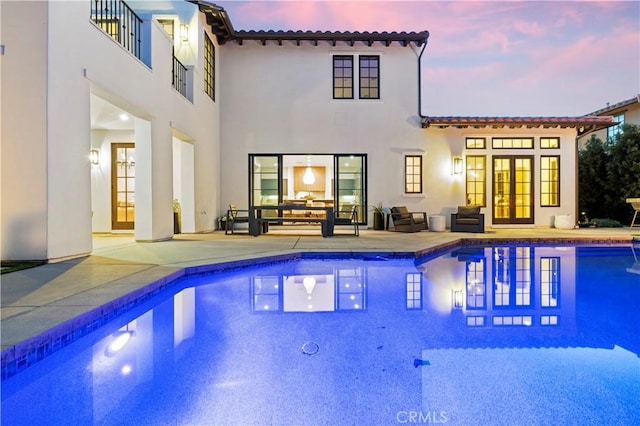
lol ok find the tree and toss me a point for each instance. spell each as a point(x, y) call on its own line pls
point(592, 178)
point(609, 174)
point(624, 173)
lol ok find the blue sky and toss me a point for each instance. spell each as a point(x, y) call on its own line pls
point(504, 58)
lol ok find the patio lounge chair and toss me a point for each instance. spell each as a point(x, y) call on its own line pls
point(467, 219)
point(235, 216)
point(348, 217)
point(406, 221)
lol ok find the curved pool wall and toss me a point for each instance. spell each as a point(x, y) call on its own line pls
point(22, 355)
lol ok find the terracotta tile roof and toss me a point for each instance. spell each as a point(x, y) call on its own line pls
point(221, 26)
point(586, 123)
point(610, 108)
point(386, 38)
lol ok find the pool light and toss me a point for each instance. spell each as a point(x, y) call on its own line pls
point(121, 338)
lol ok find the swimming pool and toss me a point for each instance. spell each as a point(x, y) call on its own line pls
point(476, 335)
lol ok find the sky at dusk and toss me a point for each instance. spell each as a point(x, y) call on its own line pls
point(489, 58)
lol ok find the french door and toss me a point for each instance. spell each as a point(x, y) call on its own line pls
point(513, 189)
point(123, 188)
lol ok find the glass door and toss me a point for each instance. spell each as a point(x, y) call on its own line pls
point(308, 179)
point(264, 181)
point(350, 184)
point(513, 189)
point(123, 189)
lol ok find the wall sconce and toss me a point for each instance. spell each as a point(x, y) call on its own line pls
point(184, 33)
point(457, 165)
point(458, 297)
point(94, 157)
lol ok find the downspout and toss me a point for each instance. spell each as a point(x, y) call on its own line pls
point(424, 46)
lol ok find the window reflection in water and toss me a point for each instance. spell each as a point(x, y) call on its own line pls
point(525, 284)
point(321, 288)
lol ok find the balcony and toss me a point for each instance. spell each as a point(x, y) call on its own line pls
point(118, 20)
point(179, 76)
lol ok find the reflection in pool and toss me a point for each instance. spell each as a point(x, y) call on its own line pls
point(477, 335)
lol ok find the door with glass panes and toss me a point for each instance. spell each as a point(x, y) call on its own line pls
point(513, 189)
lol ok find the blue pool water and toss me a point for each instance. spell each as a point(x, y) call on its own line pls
point(476, 335)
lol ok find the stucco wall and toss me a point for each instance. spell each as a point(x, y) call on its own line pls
point(47, 80)
point(448, 197)
point(24, 130)
point(278, 99)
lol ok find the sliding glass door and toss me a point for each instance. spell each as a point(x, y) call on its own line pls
point(265, 181)
point(350, 184)
point(337, 180)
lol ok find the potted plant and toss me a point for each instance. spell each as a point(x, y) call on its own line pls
point(176, 216)
point(378, 216)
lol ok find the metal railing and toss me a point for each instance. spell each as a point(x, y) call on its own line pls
point(120, 22)
point(179, 76)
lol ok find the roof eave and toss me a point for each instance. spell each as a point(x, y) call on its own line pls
point(221, 26)
point(583, 125)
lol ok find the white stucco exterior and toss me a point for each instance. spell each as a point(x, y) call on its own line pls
point(52, 198)
point(270, 98)
point(278, 99)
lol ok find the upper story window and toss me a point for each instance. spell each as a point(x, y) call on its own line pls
point(369, 77)
point(209, 67)
point(614, 131)
point(413, 174)
point(518, 143)
point(167, 26)
point(342, 77)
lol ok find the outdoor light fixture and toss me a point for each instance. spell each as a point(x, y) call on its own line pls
point(457, 296)
point(94, 157)
point(184, 33)
point(457, 165)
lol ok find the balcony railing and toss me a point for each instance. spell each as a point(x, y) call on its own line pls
point(179, 76)
point(120, 22)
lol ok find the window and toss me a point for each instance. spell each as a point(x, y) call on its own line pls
point(550, 282)
point(476, 180)
point(476, 143)
point(369, 77)
point(413, 174)
point(414, 291)
point(614, 131)
point(518, 143)
point(550, 181)
point(549, 143)
point(476, 285)
point(167, 26)
point(209, 67)
point(342, 77)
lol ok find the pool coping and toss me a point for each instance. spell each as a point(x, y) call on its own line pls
point(28, 352)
